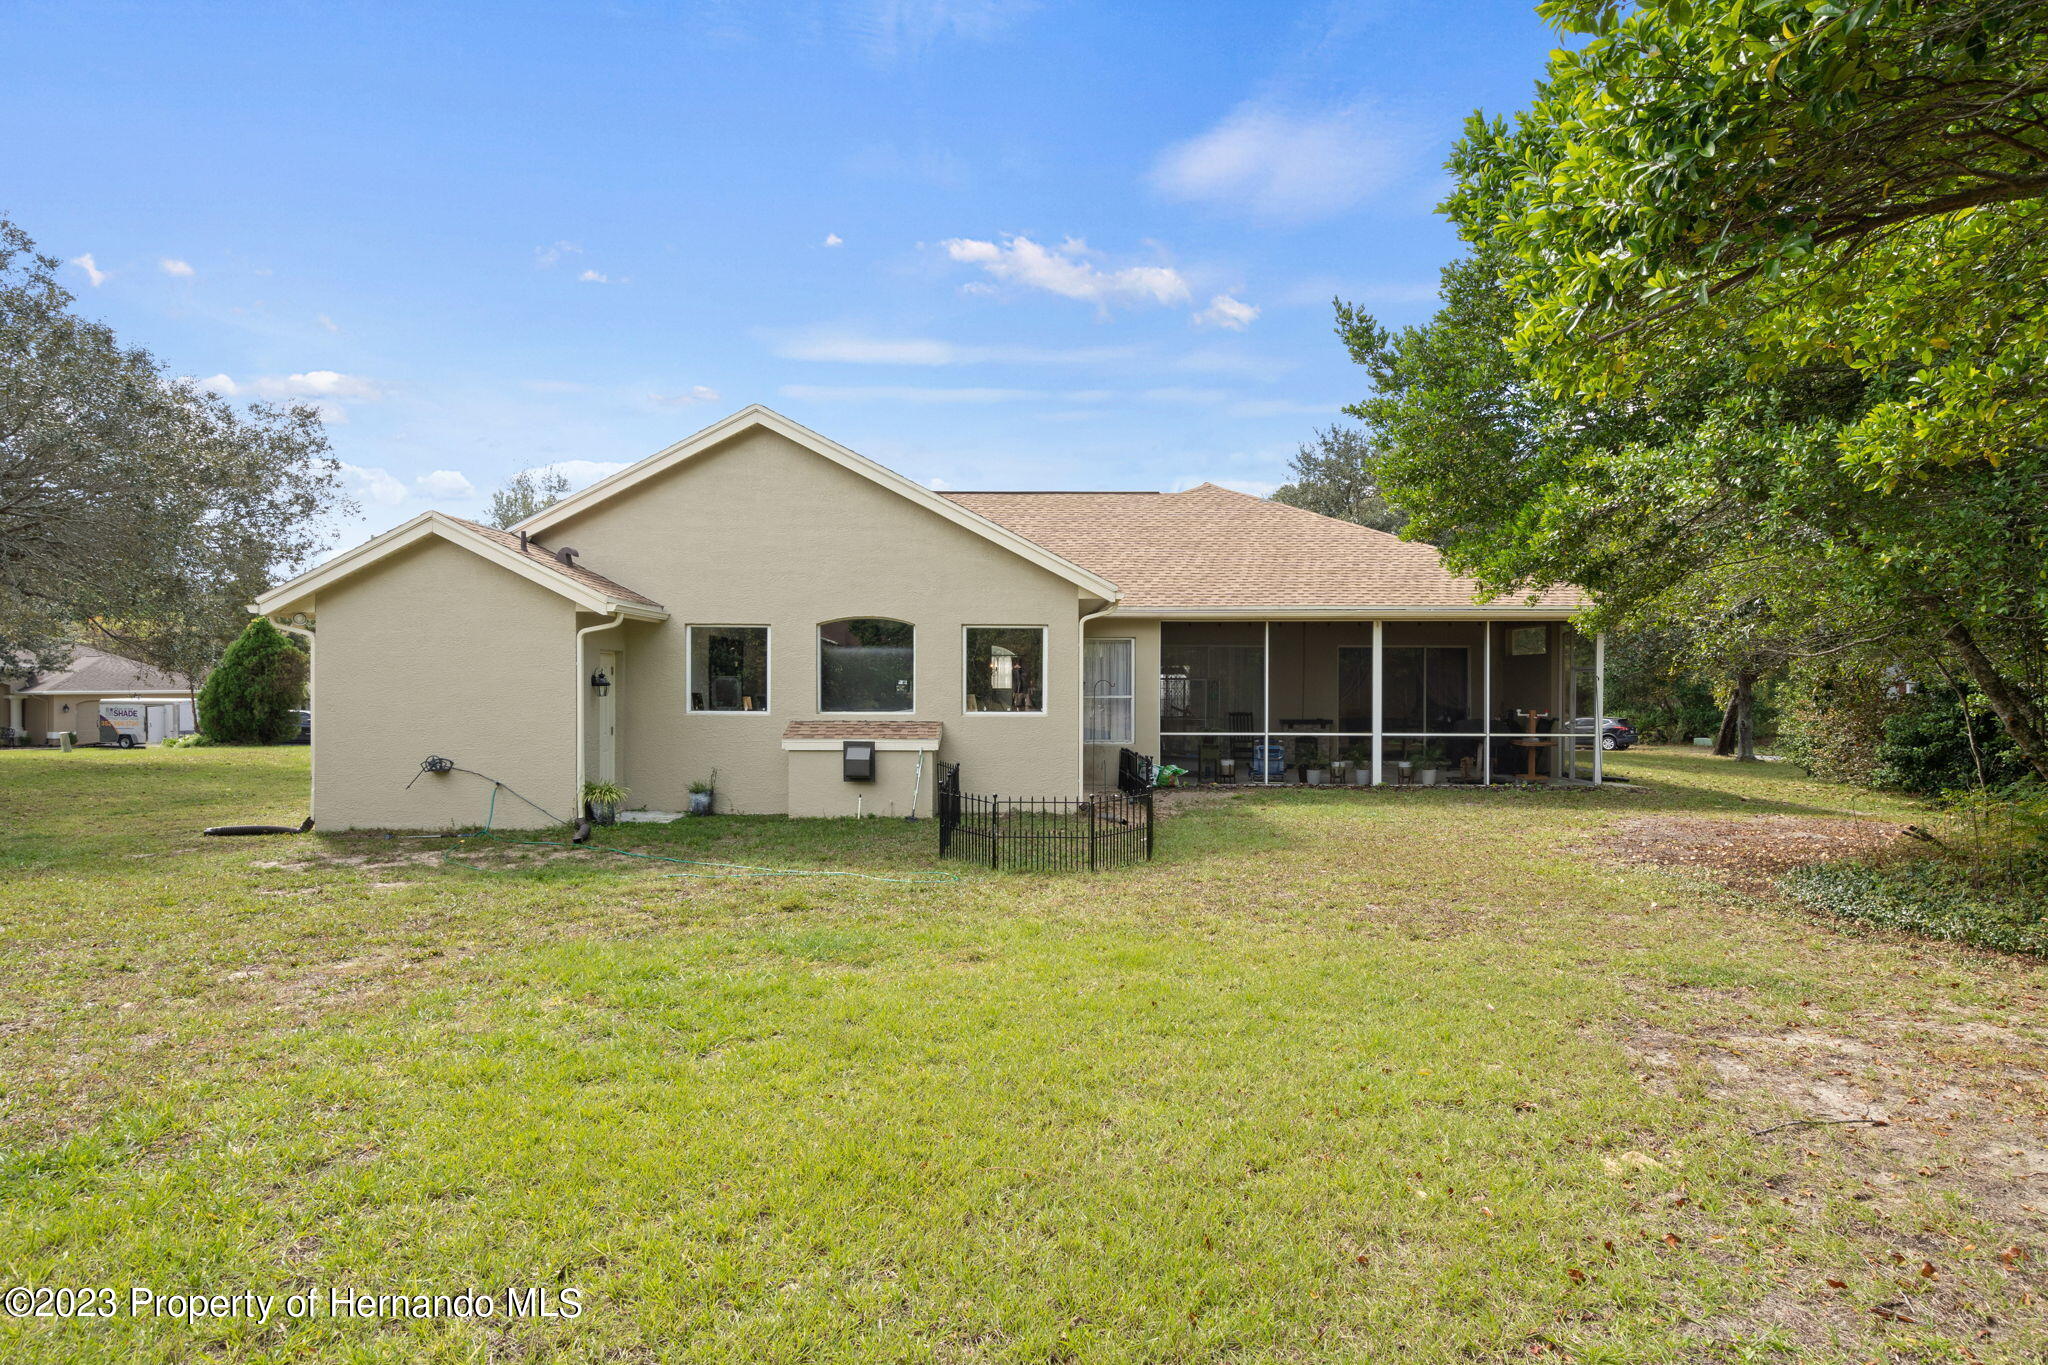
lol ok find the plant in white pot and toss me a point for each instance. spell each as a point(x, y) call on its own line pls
point(603, 800)
point(701, 794)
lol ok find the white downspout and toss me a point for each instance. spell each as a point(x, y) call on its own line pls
point(618, 619)
point(1081, 692)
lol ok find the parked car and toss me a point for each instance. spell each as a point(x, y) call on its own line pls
point(1614, 733)
point(305, 735)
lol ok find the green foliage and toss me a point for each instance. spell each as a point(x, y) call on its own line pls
point(192, 741)
point(1933, 743)
point(525, 493)
point(605, 793)
point(132, 503)
point(1938, 897)
point(1834, 713)
point(250, 698)
point(1336, 477)
point(1727, 352)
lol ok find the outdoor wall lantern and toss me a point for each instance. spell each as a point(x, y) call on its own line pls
point(600, 684)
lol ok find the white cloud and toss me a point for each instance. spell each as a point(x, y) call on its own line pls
point(1285, 407)
point(1225, 311)
point(893, 29)
point(695, 394)
point(312, 384)
point(834, 239)
point(902, 393)
point(854, 348)
point(1273, 164)
point(174, 266)
point(1066, 270)
point(1186, 397)
point(445, 483)
point(375, 485)
point(329, 323)
point(92, 271)
point(939, 485)
point(594, 277)
point(552, 254)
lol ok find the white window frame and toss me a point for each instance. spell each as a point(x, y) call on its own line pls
point(818, 654)
point(1045, 662)
point(1132, 641)
point(690, 665)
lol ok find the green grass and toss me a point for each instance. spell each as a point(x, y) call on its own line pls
point(1340, 1076)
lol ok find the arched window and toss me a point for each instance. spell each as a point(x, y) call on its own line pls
point(867, 664)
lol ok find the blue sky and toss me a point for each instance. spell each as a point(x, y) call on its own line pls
point(993, 245)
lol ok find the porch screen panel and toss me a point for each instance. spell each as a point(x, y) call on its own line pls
point(1428, 690)
point(1109, 685)
point(1211, 688)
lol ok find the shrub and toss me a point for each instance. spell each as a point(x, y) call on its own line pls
point(187, 742)
point(250, 697)
point(1927, 745)
point(1834, 716)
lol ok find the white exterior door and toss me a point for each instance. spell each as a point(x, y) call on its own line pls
point(608, 720)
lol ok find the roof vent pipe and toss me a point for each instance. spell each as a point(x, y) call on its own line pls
point(567, 556)
point(522, 542)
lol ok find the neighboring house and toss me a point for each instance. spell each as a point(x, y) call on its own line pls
point(69, 698)
point(755, 596)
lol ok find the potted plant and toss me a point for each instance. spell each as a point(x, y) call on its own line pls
point(1361, 766)
point(1431, 764)
point(701, 794)
point(1338, 768)
point(1315, 773)
point(603, 799)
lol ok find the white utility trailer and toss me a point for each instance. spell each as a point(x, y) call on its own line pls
point(131, 722)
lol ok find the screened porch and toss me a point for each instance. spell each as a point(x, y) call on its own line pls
point(1425, 703)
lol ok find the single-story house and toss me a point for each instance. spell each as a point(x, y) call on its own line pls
point(67, 699)
point(750, 600)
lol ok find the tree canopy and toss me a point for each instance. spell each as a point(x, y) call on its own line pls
point(1335, 476)
point(132, 504)
point(524, 494)
point(1707, 362)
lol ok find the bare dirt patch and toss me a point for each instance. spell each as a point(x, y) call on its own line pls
point(1747, 852)
point(1910, 1115)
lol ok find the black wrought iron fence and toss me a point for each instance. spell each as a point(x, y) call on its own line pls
point(1042, 834)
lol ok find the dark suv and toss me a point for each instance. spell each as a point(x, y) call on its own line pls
point(1614, 734)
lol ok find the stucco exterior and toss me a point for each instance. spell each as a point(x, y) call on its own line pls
point(435, 651)
point(761, 532)
point(446, 637)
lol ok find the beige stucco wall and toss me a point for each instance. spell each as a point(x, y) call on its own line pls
point(435, 651)
point(816, 787)
point(762, 531)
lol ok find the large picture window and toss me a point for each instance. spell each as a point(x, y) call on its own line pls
point(1006, 669)
point(728, 668)
point(867, 664)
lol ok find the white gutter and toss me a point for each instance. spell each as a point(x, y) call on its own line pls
point(618, 619)
point(1081, 692)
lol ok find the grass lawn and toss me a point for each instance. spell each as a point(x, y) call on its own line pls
point(1415, 1076)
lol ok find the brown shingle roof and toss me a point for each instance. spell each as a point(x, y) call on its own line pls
point(863, 729)
point(110, 675)
point(1212, 547)
point(538, 555)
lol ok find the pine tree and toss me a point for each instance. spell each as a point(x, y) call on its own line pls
point(251, 696)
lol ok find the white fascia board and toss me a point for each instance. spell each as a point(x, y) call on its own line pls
point(882, 745)
point(1344, 613)
point(447, 528)
point(758, 416)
